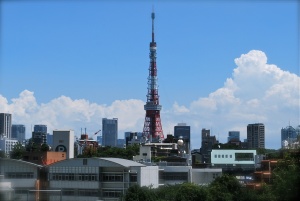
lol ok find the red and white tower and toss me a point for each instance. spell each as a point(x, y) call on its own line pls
point(152, 126)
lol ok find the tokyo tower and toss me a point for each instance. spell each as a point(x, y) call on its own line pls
point(152, 126)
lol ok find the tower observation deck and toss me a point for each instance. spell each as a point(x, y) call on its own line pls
point(152, 126)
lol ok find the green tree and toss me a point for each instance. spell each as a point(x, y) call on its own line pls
point(2, 154)
point(263, 194)
point(191, 192)
point(286, 177)
point(126, 153)
point(45, 147)
point(137, 193)
point(17, 151)
point(225, 188)
point(167, 192)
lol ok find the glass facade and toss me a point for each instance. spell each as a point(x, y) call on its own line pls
point(18, 132)
point(233, 135)
point(109, 132)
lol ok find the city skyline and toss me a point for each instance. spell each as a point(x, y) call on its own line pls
point(221, 66)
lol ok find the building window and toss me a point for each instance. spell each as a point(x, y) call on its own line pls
point(244, 156)
point(230, 156)
point(133, 177)
point(222, 156)
point(73, 177)
point(219, 156)
point(112, 177)
point(68, 192)
point(111, 193)
point(226, 156)
point(174, 176)
point(215, 155)
point(18, 175)
point(88, 192)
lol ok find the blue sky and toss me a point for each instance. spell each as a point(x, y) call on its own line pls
point(95, 53)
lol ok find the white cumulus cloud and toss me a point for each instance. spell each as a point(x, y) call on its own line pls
point(257, 92)
point(65, 113)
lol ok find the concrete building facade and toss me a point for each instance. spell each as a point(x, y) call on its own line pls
point(7, 145)
point(63, 141)
point(207, 144)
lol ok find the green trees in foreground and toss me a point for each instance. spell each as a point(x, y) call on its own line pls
point(224, 188)
point(285, 186)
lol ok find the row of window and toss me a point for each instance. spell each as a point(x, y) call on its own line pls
point(171, 176)
point(226, 156)
point(86, 192)
point(73, 177)
point(73, 169)
point(112, 193)
point(112, 177)
point(90, 177)
point(18, 175)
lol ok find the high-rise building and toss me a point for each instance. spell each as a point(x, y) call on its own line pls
point(5, 125)
point(49, 139)
point(39, 134)
point(133, 137)
point(256, 135)
point(206, 145)
point(63, 141)
point(18, 132)
point(109, 132)
point(152, 126)
point(183, 131)
point(40, 128)
point(288, 134)
point(233, 135)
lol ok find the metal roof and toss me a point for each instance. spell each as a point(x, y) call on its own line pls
point(123, 162)
point(96, 161)
point(19, 161)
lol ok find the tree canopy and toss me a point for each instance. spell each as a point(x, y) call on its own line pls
point(126, 153)
point(17, 151)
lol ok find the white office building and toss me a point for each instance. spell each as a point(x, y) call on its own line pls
point(98, 178)
point(7, 145)
point(63, 141)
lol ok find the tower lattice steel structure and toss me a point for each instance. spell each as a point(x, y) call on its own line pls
point(152, 126)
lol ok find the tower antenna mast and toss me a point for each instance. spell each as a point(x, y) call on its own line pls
point(152, 126)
